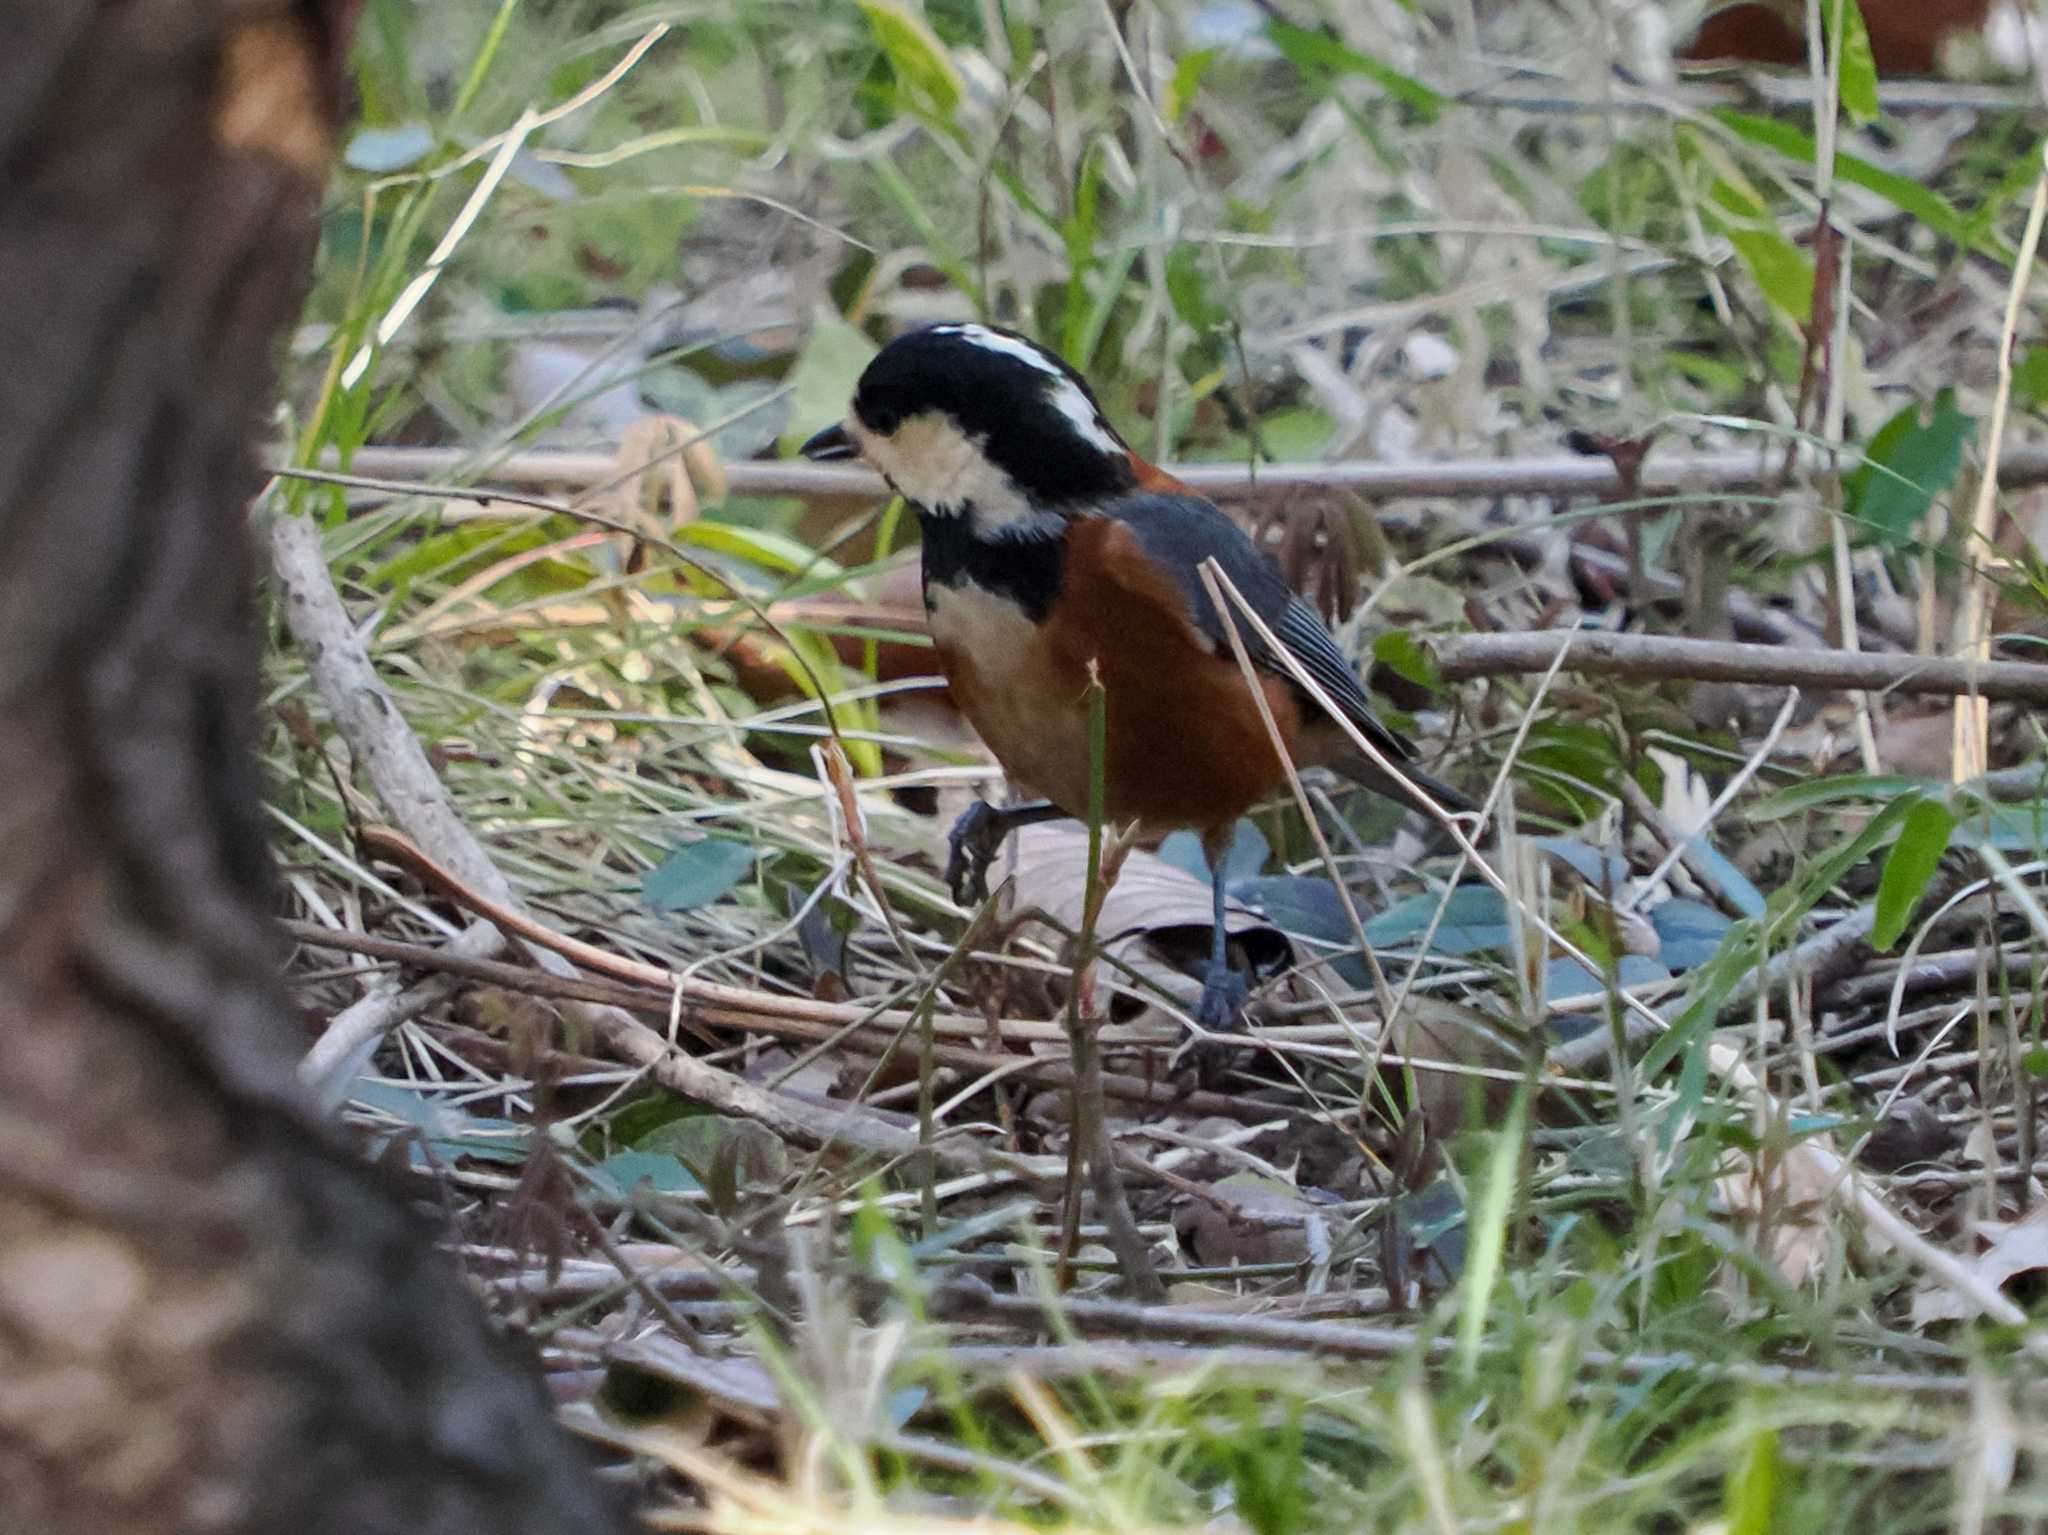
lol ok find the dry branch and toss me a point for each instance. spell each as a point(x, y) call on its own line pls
point(339, 1054)
point(1189, 1325)
point(1594, 652)
point(1562, 475)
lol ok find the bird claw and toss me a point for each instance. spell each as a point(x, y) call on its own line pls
point(971, 848)
point(1224, 991)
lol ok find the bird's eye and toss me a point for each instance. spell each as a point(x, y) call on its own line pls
point(881, 411)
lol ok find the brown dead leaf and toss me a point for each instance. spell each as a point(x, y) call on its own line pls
point(1156, 918)
point(1778, 1197)
point(1440, 1042)
point(2014, 1248)
point(664, 463)
point(657, 1384)
point(1250, 1219)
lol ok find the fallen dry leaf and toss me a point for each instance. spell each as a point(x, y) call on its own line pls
point(1778, 1197)
point(1251, 1219)
point(663, 461)
point(1156, 918)
point(2015, 1248)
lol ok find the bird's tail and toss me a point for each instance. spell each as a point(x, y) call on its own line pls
point(1368, 774)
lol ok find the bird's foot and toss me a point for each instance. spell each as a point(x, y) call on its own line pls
point(1224, 991)
point(972, 845)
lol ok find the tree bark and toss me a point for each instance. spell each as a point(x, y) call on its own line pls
point(212, 1317)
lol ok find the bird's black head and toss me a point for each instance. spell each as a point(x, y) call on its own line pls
point(967, 419)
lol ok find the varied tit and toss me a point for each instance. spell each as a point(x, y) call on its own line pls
point(1050, 548)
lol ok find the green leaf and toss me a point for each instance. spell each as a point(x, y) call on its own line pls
point(1295, 433)
point(1750, 1496)
point(640, 1119)
point(1743, 949)
point(1489, 1230)
point(1905, 467)
point(1711, 984)
point(1312, 53)
point(1187, 285)
point(923, 68)
point(765, 547)
point(1790, 903)
point(1835, 789)
point(2035, 1062)
point(2030, 377)
point(2018, 180)
point(1187, 78)
point(821, 383)
point(1781, 269)
point(456, 553)
point(1086, 223)
point(1081, 234)
point(1269, 1484)
point(1855, 65)
point(1406, 656)
point(697, 873)
point(1909, 196)
point(1907, 869)
point(1568, 759)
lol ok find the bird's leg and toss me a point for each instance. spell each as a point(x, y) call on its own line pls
point(976, 836)
point(1223, 989)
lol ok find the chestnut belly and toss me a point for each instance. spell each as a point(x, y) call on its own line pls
point(1186, 746)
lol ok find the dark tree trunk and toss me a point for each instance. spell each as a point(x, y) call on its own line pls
point(211, 1317)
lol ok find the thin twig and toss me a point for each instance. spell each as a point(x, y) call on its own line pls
point(1682, 849)
point(867, 1037)
point(1189, 1325)
point(1092, 1150)
point(1973, 622)
point(1460, 657)
point(338, 1055)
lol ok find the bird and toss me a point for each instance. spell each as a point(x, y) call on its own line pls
point(1054, 554)
point(1906, 37)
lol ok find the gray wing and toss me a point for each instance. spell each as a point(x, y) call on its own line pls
point(1180, 532)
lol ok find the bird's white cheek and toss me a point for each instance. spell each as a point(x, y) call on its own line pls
point(933, 463)
point(936, 464)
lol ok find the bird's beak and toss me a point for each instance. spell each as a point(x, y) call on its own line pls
point(833, 442)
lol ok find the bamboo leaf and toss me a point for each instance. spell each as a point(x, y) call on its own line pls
point(1314, 54)
point(1855, 64)
point(1906, 466)
point(922, 66)
point(1908, 867)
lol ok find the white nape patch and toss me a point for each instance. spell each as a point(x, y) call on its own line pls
point(933, 463)
point(1066, 397)
point(1009, 346)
